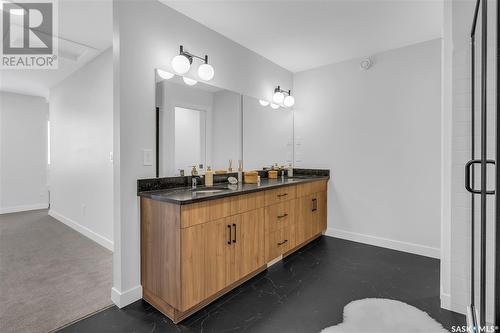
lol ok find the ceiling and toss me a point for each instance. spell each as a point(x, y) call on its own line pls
point(300, 35)
point(85, 30)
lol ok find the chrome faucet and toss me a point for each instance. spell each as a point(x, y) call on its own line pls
point(194, 182)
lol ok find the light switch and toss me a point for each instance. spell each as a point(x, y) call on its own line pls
point(147, 155)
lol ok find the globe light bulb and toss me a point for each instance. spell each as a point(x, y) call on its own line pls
point(289, 101)
point(263, 103)
point(189, 82)
point(206, 72)
point(278, 97)
point(181, 64)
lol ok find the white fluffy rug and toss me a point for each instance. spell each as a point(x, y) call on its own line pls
point(378, 315)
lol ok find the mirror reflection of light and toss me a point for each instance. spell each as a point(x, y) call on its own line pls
point(164, 74)
point(263, 103)
point(188, 81)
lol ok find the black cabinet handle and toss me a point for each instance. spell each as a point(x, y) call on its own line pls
point(282, 216)
point(229, 234)
point(234, 238)
point(282, 195)
point(314, 205)
point(283, 242)
point(467, 176)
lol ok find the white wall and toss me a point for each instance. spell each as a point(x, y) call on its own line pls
point(455, 263)
point(267, 135)
point(378, 131)
point(81, 171)
point(147, 36)
point(23, 152)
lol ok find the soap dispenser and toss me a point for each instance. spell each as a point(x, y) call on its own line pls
point(209, 177)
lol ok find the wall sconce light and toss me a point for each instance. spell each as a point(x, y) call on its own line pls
point(279, 97)
point(181, 64)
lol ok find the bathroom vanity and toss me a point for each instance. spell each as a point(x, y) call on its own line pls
point(198, 244)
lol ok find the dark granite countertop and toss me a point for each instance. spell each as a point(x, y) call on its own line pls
point(186, 195)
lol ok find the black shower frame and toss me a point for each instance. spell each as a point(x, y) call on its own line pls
point(483, 5)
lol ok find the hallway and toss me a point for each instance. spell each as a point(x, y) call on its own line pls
point(50, 275)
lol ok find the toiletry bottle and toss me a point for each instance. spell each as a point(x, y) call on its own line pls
point(258, 180)
point(240, 171)
point(290, 170)
point(209, 177)
point(230, 169)
point(194, 172)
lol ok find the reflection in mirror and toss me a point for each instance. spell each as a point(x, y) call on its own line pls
point(267, 135)
point(189, 132)
point(200, 125)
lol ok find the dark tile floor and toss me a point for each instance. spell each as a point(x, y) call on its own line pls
point(306, 292)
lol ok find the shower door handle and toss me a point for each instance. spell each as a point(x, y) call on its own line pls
point(467, 176)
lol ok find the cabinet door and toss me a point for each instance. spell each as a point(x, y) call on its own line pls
point(319, 205)
point(218, 252)
point(303, 220)
point(207, 260)
point(249, 245)
point(192, 265)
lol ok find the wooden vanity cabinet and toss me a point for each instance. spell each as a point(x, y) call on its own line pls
point(192, 254)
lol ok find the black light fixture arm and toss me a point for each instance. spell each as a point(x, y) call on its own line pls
point(278, 89)
point(190, 56)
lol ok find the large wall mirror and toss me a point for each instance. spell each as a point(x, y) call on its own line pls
point(267, 135)
point(199, 125)
point(202, 125)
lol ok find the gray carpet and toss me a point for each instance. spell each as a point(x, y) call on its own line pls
point(50, 275)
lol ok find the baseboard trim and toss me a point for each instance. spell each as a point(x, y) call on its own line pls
point(422, 250)
point(23, 208)
point(445, 301)
point(127, 297)
point(103, 241)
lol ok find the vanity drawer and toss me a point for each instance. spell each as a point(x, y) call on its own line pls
point(246, 202)
point(278, 215)
point(310, 188)
point(201, 212)
point(280, 195)
point(279, 228)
